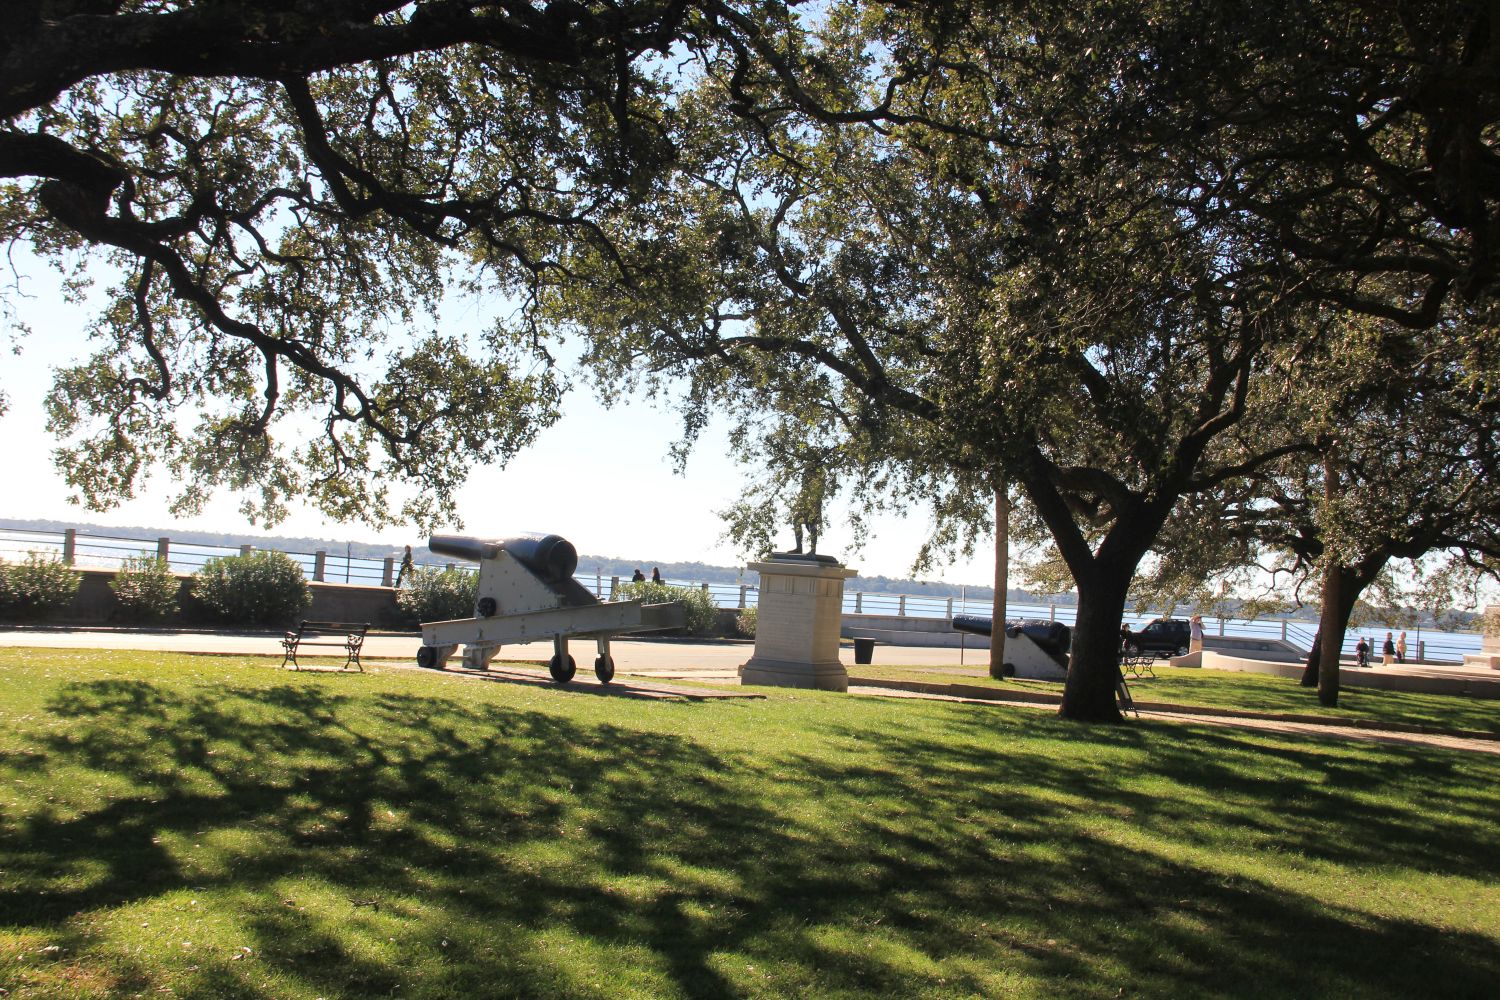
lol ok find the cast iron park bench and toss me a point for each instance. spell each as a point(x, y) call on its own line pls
point(1138, 664)
point(348, 636)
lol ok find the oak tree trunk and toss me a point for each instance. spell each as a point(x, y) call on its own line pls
point(1331, 623)
point(1314, 656)
point(1089, 695)
point(1002, 583)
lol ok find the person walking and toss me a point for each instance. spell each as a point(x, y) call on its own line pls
point(1388, 651)
point(1195, 634)
point(407, 568)
point(1401, 648)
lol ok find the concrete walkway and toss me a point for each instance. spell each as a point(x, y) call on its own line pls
point(1290, 727)
point(657, 658)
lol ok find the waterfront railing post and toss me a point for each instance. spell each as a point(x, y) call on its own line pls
point(320, 565)
point(70, 546)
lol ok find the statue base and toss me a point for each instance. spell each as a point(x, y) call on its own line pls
point(797, 624)
point(825, 676)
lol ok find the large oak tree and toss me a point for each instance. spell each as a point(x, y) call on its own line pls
point(278, 194)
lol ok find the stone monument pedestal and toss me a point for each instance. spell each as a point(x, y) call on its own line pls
point(1489, 652)
point(797, 625)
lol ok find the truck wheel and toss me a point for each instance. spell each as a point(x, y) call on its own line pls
point(562, 671)
point(604, 668)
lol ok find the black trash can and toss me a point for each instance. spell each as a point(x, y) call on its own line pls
point(864, 650)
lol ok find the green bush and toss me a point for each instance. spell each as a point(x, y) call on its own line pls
point(745, 621)
point(145, 589)
point(262, 588)
point(432, 595)
point(36, 588)
point(702, 612)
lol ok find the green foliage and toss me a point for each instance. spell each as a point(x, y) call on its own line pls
point(745, 622)
point(702, 613)
point(437, 595)
point(145, 589)
point(261, 588)
point(37, 588)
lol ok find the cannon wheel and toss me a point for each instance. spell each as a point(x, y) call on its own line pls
point(604, 668)
point(486, 607)
point(562, 668)
point(427, 657)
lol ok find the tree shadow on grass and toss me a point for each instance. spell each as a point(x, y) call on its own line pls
point(1140, 839)
point(439, 848)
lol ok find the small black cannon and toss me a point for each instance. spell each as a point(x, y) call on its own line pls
point(1044, 655)
point(526, 593)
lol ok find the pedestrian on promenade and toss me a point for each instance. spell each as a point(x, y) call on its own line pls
point(1195, 634)
point(1388, 651)
point(639, 577)
point(1362, 652)
point(1401, 648)
point(407, 569)
point(655, 575)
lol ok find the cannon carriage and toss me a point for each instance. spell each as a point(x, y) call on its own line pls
point(526, 593)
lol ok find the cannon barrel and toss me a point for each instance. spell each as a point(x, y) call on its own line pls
point(550, 557)
point(972, 624)
point(1053, 637)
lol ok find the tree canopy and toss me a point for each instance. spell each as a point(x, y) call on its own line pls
point(931, 249)
point(283, 192)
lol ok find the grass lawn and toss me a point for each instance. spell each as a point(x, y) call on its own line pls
point(214, 827)
point(1251, 693)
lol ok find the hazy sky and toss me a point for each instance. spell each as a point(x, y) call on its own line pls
point(601, 477)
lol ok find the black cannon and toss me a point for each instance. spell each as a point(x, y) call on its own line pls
point(551, 557)
point(1044, 657)
point(1054, 638)
point(526, 593)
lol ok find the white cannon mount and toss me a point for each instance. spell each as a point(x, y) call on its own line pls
point(526, 593)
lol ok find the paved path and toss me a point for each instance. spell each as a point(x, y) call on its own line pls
point(586, 683)
point(660, 658)
point(1291, 728)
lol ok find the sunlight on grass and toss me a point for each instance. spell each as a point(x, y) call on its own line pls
point(215, 827)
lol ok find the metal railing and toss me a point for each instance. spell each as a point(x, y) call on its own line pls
point(331, 566)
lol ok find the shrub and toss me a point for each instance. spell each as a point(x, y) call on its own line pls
point(145, 589)
point(702, 612)
point(262, 588)
point(745, 621)
point(432, 595)
point(36, 588)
